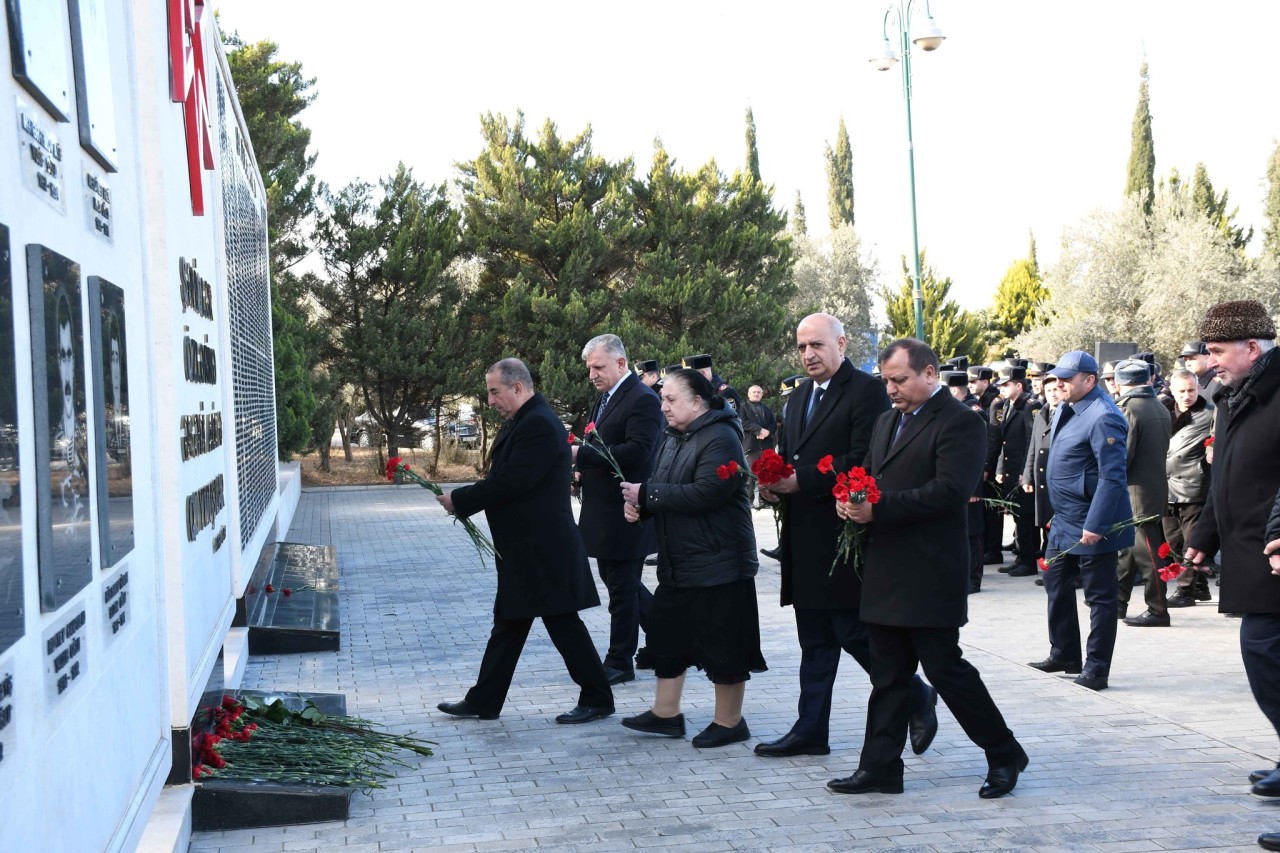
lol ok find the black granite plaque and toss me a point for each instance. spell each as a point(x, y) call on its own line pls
point(61, 437)
point(114, 483)
point(7, 728)
point(11, 622)
point(115, 606)
point(65, 656)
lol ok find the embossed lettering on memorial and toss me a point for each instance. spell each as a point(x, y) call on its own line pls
point(114, 485)
point(61, 435)
point(7, 728)
point(11, 621)
point(65, 656)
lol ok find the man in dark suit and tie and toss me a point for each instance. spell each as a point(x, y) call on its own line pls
point(831, 413)
point(927, 457)
point(542, 565)
point(628, 420)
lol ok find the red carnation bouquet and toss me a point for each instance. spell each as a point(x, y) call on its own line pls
point(769, 470)
point(591, 438)
point(396, 465)
point(854, 486)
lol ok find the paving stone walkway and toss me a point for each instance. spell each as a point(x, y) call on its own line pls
point(1157, 762)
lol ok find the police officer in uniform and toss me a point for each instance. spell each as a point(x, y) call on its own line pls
point(648, 372)
point(702, 364)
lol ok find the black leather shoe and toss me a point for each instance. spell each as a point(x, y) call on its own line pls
point(992, 558)
point(791, 744)
point(1259, 775)
point(1039, 581)
point(464, 709)
point(1181, 599)
point(1122, 611)
point(1023, 571)
point(644, 658)
point(617, 676)
point(1269, 841)
point(717, 735)
point(1093, 682)
point(653, 724)
point(1002, 779)
point(584, 714)
point(1055, 665)
point(922, 721)
point(772, 553)
point(1004, 570)
point(1148, 619)
point(1203, 595)
point(863, 782)
point(974, 589)
point(1268, 787)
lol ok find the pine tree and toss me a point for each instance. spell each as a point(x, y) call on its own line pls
point(1031, 252)
point(553, 227)
point(713, 271)
point(1142, 155)
point(1214, 208)
point(392, 297)
point(799, 224)
point(1018, 299)
point(753, 154)
point(948, 328)
point(1271, 235)
point(840, 180)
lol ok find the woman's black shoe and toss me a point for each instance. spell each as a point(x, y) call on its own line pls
point(653, 724)
point(717, 735)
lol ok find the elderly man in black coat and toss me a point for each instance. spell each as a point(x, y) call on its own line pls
point(542, 565)
point(927, 458)
point(628, 422)
point(830, 414)
point(1240, 337)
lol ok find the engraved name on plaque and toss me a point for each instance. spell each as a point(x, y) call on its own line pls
point(11, 608)
point(97, 206)
point(115, 606)
point(65, 656)
point(8, 730)
point(114, 483)
point(40, 157)
point(60, 434)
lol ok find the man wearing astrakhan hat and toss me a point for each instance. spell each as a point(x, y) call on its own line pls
point(1089, 497)
point(1240, 337)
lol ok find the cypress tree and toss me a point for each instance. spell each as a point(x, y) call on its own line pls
point(840, 180)
point(799, 224)
point(1142, 154)
point(948, 328)
point(1031, 253)
point(1271, 235)
point(1214, 208)
point(753, 154)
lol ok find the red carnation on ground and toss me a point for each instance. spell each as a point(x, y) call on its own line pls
point(270, 589)
point(287, 591)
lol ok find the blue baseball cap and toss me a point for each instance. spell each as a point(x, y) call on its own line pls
point(1071, 363)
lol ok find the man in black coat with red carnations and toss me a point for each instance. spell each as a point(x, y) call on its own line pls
point(542, 565)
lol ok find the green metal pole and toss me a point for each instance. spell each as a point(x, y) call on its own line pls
point(918, 290)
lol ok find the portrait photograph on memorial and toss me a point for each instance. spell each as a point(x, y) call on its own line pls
point(61, 434)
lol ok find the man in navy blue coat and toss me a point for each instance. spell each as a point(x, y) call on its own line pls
point(1089, 494)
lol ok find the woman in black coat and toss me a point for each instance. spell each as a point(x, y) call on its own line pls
point(704, 611)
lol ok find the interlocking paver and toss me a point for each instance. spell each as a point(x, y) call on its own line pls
point(1157, 762)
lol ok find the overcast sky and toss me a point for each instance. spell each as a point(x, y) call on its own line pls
point(1022, 118)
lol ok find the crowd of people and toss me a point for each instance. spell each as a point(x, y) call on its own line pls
point(1108, 473)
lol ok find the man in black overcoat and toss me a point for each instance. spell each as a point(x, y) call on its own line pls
point(628, 420)
point(542, 565)
point(758, 426)
point(927, 457)
point(831, 413)
point(1008, 440)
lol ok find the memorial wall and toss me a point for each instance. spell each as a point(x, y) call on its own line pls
point(138, 474)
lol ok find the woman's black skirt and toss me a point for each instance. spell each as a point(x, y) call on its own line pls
point(715, 628)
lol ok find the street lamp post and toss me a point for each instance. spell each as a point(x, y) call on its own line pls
point(930, 39)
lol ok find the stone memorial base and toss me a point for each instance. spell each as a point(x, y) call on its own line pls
point(291, 601)
point(229, 803)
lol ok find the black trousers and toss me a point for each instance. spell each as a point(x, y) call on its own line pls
point(992, 521)
point(501, 655)
point(629, 603)
point(975, 561)
point(1260, 651)
point(895, 652)
point(1026, 534)
point(823, 635)
point(1142, 560)
point(1179, 520)
point(1098, 574)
